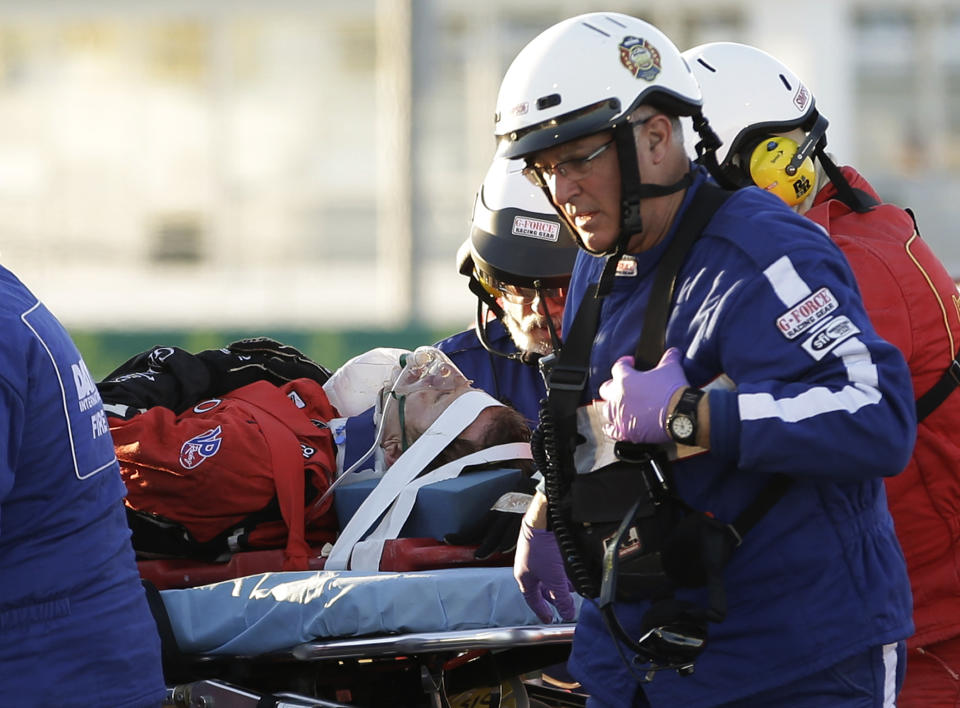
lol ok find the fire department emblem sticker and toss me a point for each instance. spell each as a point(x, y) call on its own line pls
point(199, 448)
point(640, 57)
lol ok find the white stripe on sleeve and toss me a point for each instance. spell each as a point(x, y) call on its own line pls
point(786, 282)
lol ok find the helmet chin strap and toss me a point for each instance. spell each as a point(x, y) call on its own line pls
point(632, 188)
point(707, 151)
point(632, 192)
point(554, 337)
point(857, 200)
point(815, 139)
point(487, 303)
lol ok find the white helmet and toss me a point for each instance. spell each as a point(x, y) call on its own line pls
point(585, 75)
point(750, 95)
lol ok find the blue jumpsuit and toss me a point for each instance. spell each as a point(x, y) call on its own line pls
point(767, 315)
point(75, 629)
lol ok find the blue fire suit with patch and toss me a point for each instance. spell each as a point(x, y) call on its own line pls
point(75, 629)
point(508, 380)
point(768, 318)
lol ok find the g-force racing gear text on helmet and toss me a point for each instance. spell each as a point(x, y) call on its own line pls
point(519, 249)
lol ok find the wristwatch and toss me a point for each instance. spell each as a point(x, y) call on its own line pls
point(682, 423)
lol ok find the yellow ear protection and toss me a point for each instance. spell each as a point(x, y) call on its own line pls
point(774, 167)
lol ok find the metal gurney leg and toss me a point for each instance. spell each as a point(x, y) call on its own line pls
point(218, 694)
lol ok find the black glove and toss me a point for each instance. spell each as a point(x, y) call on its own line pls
point(260, 358)
point(176, 379)
point(498, 530)
point(162, 376)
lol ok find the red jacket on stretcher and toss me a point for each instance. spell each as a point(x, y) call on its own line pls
point(228, 449)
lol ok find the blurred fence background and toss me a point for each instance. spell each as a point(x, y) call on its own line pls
point(190, 172)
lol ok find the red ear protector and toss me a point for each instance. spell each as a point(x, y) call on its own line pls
point(772, 168)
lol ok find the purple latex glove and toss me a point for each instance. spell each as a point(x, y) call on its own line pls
point(636, 401)
point(538, 568)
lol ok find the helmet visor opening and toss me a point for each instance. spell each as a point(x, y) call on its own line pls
point(517, 294)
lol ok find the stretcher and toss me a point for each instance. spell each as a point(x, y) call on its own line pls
point(457, 637)
point(411, 623)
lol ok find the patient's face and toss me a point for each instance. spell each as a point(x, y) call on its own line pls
point(419, 409)
point(426, 387)
point(425, 410)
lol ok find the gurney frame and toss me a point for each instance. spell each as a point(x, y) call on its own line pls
point(433, 669)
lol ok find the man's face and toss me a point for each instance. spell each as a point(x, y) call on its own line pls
point(527, 321)
point(592, 200)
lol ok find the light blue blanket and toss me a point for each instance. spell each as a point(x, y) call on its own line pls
point(277, 611)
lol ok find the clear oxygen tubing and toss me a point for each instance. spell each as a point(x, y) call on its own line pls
point(356, 465)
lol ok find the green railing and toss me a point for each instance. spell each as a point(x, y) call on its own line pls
point(103, 351)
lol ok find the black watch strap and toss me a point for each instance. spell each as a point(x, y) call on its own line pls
point(682, 424)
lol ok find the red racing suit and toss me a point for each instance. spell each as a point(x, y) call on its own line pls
point(216, 465)
point(913, 303)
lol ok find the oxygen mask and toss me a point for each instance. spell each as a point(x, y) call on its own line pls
point(426, 368)
point(424, 375)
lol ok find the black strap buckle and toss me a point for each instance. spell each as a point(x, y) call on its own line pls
point(630, 209)
point(568, 378)
point(954, 370)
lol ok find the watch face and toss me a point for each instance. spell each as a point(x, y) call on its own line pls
point(681, 427)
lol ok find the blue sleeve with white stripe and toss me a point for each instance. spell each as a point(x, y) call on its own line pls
point(804, 375)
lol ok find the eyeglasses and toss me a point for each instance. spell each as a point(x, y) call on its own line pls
point(524, 296)
point(518, 295)
point(576, 168)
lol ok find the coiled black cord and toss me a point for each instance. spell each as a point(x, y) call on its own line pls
point(547, 457)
